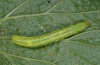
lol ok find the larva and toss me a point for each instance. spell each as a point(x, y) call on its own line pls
point(50, 37)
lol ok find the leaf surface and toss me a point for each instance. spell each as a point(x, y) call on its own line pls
point(38, 17)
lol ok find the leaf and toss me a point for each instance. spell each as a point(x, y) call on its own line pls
point(37, 17)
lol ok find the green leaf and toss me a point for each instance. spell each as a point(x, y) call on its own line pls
point(38, 17)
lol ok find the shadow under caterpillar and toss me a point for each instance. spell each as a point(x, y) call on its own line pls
point(50, 37)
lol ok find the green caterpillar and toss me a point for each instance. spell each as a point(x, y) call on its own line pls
point(50, 37)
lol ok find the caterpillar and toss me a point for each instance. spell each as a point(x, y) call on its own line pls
point(50, 37)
